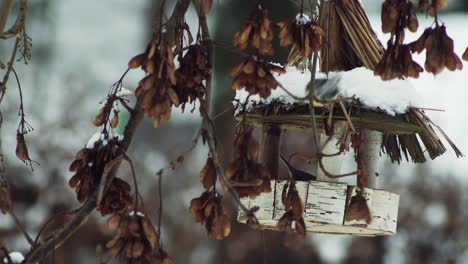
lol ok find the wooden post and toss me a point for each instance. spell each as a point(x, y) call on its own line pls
point(331, 164)
point(369, 149)
point(269, 148)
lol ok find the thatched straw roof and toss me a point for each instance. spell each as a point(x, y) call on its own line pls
point(351, 40)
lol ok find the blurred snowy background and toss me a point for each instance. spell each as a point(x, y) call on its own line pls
point(81, 47)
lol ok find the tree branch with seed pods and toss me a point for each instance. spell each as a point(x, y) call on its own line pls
point(44, 248)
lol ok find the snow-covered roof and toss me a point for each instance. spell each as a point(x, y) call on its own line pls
point(392, 97)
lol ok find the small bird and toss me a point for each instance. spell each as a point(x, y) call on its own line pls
point(326, 88)
point(296, 174)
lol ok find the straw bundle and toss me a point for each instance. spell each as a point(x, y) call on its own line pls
point(351, 41)
point(409, 144)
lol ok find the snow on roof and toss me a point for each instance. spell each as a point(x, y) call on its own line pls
point(392, 97)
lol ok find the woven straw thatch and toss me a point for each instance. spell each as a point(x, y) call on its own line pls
point(351, 41)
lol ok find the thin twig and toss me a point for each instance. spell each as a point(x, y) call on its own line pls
point(9, 69)
point(329, 175)
point(21, 228)
point(19, 24)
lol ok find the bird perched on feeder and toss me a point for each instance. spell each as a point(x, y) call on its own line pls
point(326, 88)
point(296, 174)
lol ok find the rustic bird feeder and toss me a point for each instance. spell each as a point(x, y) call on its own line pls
point(396, 135)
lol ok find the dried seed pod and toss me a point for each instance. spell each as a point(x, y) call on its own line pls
point(435, 6)
point(115, 119)
point(304, 34)
point(465, 55)
point(193, 71)
point(135, 237)
point(257, 32)
point(89, 165)
point(116, 199)
point(137, 61)
point(157, 88)
point(358, 209)
point(439, 50)
point(248, 177)
point(208, 174)
point(208, 210)
point(22, 150)
point(255, 76)
point(294, 211)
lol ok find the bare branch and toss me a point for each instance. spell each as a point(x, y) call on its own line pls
point(21, 228)
point(20, 20)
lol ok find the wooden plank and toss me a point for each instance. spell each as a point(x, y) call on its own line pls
point(325, 207)
point(326, 202)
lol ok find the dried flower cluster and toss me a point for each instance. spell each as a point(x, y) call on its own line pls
point(257, 32)
point(397, 61)
point(294, 211)
point(248, 177)
point(439, 50)
point(156, 90)
point(209, 210)
point(256, 76)
point(135, 238)
point(304, 34)
point(194, 69)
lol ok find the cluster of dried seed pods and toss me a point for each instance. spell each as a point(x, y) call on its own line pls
point(433, 6)
point(397, 61)
point(194, 69)
point(257, 32)
point(89, 165)
point(245, 174)
point(135, 238)
point(208, 174)
point(157, 88)
point(256, 76)
point(116, 199)
point(304, 34)
point(398, 15)
point(439, 50)
point(294, 211)
point(209, 210)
